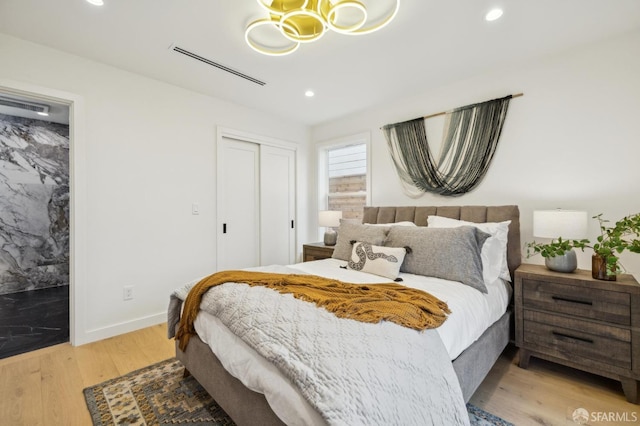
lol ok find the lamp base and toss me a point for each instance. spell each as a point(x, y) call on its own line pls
point(563, 263)
point(330, 237)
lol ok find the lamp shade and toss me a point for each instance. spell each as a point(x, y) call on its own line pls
point(329, 218)
point(568, 224)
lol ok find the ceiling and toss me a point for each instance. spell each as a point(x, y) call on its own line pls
point(430, 43)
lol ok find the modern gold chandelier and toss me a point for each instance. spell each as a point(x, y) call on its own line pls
point(292, 22)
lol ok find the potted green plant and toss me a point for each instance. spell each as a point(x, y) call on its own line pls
point(612, 241)
point(558, 252)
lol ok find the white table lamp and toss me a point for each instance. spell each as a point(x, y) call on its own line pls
point(567, 224)
point(330, 219)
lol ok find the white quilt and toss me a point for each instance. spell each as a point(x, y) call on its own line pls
point(342, 367)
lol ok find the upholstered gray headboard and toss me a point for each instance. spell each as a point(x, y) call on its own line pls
point(478, 214)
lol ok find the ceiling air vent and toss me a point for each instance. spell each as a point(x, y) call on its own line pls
point(25, 105)
point(217, 65)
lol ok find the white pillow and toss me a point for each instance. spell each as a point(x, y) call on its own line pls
point(494, 250)
point(377, 260)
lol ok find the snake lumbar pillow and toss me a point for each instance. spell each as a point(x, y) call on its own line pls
point(378, 260)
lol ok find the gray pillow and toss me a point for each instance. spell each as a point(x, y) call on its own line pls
point(449, 253)
point(357, 232)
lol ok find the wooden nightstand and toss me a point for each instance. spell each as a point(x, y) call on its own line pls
point(580, 322)
point(316, 251)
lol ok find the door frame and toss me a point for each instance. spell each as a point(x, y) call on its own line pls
point(77, 196)
point(243, 136)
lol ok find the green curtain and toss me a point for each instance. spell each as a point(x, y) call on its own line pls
point(470, 140)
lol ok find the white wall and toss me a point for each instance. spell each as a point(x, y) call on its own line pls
point(572, 141)
point(148, 151)
point(145, 153)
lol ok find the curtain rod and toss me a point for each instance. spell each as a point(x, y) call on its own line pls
point(455, 109)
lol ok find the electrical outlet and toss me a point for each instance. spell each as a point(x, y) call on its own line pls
point(127, 292)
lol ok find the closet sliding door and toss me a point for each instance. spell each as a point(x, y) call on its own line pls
point(238, 204)
point(277, 200)
point(255, 204)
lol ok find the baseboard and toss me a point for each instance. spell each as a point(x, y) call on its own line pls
point(117, 329)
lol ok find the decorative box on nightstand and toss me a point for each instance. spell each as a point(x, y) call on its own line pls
point(575, 320)
point(316, 251)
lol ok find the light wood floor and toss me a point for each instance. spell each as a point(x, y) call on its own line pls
point(44, 387)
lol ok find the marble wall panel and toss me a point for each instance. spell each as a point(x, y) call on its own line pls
point(34, 204)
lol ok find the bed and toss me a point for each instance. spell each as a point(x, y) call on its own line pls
point(470, 363)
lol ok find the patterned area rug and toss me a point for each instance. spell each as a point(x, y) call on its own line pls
point(159, 395)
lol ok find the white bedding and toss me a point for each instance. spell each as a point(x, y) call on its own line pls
point(472, 313)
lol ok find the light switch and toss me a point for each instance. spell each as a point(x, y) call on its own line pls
point(195, 208)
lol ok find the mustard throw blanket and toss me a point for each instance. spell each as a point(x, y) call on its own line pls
point(372, 303)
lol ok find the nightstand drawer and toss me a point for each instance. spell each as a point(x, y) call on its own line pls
point(576, 344)
point(609, 306)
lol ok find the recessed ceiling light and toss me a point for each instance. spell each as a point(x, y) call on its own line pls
point(493, 14)
point(45, 114)
point(96, 2)
point(309, 94)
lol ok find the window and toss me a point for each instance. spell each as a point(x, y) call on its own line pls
point(343, 178)
point(348, 180)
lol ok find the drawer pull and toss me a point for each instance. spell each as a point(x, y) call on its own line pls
point(582, 339)
point(564, 299)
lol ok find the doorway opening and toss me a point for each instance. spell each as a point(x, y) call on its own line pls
point(35, 223)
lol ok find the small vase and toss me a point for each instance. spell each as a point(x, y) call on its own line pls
point(599, 268)
point(566, 262)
